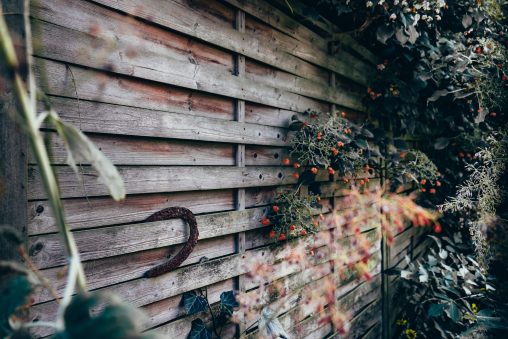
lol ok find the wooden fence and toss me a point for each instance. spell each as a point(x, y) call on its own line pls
point(191, 99)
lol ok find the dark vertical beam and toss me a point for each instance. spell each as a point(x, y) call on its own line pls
point(13, 142)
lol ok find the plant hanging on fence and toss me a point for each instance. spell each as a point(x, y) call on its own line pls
point(292, 215)
point(413, 166)
point(329, 142)
point(318, 265)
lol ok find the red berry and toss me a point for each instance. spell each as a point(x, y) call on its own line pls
point(296, 175)
point(330, 170)
point(343, 114)
point(265, 221)
point(296, 165)
point(432, 191)
point(282, 237)
point(423, 181)
point(362, 182)
point(504, 78)
point(272, 234)
point(275, 208)
point(286, 161)
point(461, 155)
point(303, 232)
point(438, 183)
point(314, 170)
point(493, 114)
point(292, 227)
point(478, 50)
point(319, 135)
point(437, 228)
point(340, 144)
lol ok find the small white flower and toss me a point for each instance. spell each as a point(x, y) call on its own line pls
point(396, 2)
point(438, 17)
point(393, 16)
point(381, 67)
point(369, 4)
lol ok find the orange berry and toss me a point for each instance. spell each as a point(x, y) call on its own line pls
point(286, 161)
point(314, 170)
point(340, 144)
point(331, 170)
point(423, 181)
point(438, 183)
point(402, 155)
point(296, 165)
point(296, 175)
point(345, 180)
point(438, 228)
point(423, 190)
point(275, 208)
point(362, 182)
point(343, 114)
point(319, 135)
point(432, 191)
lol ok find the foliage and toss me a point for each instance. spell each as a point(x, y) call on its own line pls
point(291, 215)
point(197, 301)
point(331, 142)
point(480, 194)
point(413, 166)
point(320, 264)
point(446, 288)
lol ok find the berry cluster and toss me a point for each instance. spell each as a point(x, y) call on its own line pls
point(291, 215)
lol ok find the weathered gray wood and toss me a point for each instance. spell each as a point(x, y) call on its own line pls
point(113, 270)
point(115, 119)
point(178, 70)
point(13, 142)
point(175, 15)
point(93, 212)
point(152, 179)
point(47, 250)
point(129, 150)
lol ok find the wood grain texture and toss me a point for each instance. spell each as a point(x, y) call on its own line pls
point(13, 142)
point(154, 179)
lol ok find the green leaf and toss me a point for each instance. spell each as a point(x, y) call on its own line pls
point(199, 330)
point(435, 310)
point(117, 319)
point(81, 148)
point(441, 143)
point(361, 143)
point(228, 302)
point(15, 289)
point(193, 302)
point(453, 312)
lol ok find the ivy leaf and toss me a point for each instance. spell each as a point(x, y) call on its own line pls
point(361, 143)
point(199, 330)
point(384, 32)
point(193, 302)
point(453, 312)
point(441, 143)
point(228, 302)
point(435, 310)
point(79, 147)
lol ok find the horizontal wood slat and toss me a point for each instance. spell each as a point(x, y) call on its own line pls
point(152, 179)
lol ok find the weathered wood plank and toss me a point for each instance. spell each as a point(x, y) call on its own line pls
point(13, 142)
point(177, 70)
point(176, 15)
point(113, 270)
point(93, 212)
point(128, 150)
point(115, 119)
point(153, 179)
point(47, 250)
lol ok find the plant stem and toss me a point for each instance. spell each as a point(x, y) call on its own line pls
point(37, 145)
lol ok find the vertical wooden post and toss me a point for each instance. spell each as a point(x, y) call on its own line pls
point(13, 142)
point(385, 264)
point(240, 154)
